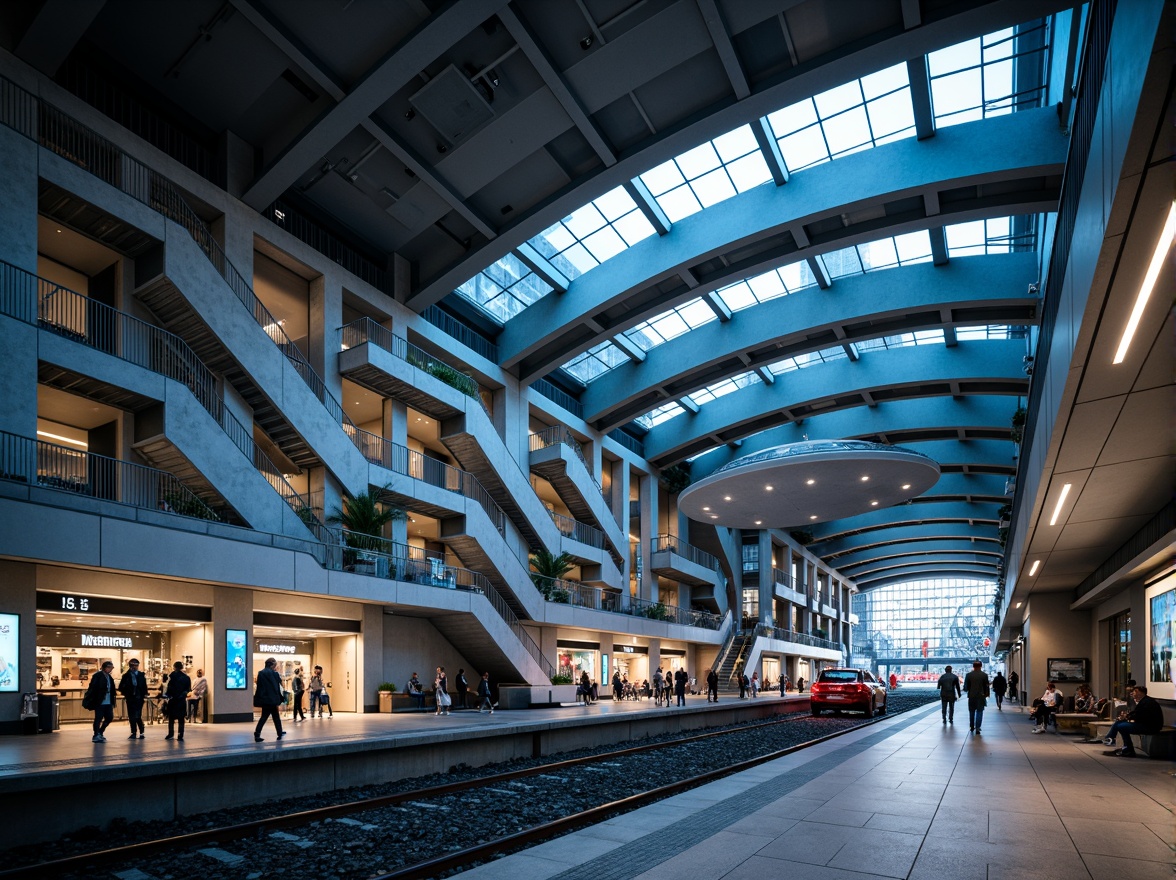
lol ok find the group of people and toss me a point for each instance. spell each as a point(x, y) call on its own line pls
point(442, 701)
point(751, 687)
point(978, 688)
point(320, 698)
point(665, 685)
point(179, 696)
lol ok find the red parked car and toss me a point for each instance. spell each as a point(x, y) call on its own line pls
point(852, 690)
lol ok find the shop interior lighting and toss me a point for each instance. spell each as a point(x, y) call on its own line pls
point(80, 443)
point(1149, 282)
point(1053, 520)
point(1033, 570)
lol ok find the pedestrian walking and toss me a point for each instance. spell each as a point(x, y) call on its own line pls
point(199, 689)
point(99, 699)
point(298, 687)
point(658, 681)
point(1014, 680)
point(268, 697)
point(949, 691)
point(462, 686)
point(680, 679)
point(316, 691)
point(178, 688)
point(977, 688)
point(441, 692)
point(999, 686)
point(712, 686)
point(484, 694)
point(133, 687)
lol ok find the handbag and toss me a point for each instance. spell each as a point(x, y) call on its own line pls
point(445, 699)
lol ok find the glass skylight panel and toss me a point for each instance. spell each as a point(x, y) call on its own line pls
point(886, 253)
point(807, 360)
point(761, 288)
point(505, 288)
point(708, 174)
point(596, 360)
point(992, 236)
point(593, 234)
point(671, 324)
point(663, 413)
point(902, 340)
point(978, 78)
point(858, 115)
point(991, 331)
point(726, 386)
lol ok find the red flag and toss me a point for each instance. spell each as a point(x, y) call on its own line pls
point(924, 647)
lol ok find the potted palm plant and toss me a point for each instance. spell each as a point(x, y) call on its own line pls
point(546, 568)
point(364, 518)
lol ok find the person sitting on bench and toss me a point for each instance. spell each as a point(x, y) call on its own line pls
point(1146, 718)
point(1049, 704)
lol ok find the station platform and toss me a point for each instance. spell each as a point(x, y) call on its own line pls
point(44, 777)
point(907, 797)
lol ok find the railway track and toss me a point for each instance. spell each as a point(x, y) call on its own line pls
point(432, 831)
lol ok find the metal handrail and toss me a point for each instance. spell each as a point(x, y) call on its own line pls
point(578, 531)
point(782, 578)
point(81, 319)
point(366, 330)
point(565, 592)
point(404, 562)
point(408, 462)
point(50, 466)
point(798, 638)
point(725, 648)
point(554, 436)
point(53, 129)
point(675, 545)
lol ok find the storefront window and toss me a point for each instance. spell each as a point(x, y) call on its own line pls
point(573, 662)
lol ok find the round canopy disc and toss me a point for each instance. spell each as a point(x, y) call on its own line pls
point(810, 482)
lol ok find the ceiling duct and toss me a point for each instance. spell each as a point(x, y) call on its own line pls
point(451, 104)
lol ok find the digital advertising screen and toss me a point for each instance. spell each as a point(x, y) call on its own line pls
point(236, 660)
point(9, 653)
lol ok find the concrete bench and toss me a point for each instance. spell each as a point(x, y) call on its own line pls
point(1074, 721)
point(1154, 745)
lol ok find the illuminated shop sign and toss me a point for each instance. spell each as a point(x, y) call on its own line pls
point(275, 648)
point(89, 640)
point(72, 603)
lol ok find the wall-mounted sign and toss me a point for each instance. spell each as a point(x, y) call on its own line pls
point(630, 649)
point(236, 663)
point(74, 603)
point(282, 646)
point(116, 639)
point(9, 653)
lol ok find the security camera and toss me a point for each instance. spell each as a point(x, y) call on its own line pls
point(1033, 290)
point(587, 42)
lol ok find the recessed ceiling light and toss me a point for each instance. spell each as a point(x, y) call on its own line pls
point(1053, 520)
point(769, 488)
point(809, 482)
point(814, 516)
point(726, 497)
point(1149, 282)
point(906, 485)
point(1033, 567)
point(714, 516)
point(706, 508)
point(873, 504)
point(1019, 604)
point(759, 522)
point(866, 478)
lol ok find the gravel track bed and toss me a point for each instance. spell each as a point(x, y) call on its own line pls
point(387, 838)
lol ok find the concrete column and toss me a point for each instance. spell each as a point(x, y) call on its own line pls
point(232, 608)
point(654, 656)
point(371, 658)
point(395, 428)
point(647, 587)
point(766, 591)
point(323, 337)
point(18, 245)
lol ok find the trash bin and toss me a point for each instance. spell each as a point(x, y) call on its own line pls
point(48, 713)
point(28, 713)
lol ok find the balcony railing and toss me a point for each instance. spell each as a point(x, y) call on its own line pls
point(366, 330)
point(578, 531)
point(380, 557)
point(788, 635)
point(675, 545)
point(566, 592)
point(782, 578)
point(27, 114)
point(76, 317)
point(50, 466)
point(556, 435)
point(410, 463)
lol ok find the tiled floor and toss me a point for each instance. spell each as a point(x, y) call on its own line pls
point(908, 798)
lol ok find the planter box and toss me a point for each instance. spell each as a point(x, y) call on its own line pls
point(385, 698)
point(525, 696)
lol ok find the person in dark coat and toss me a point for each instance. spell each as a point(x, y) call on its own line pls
point(133, 687)
point(680, 679)
point(462, 686)
point(484, 694)
point(268, 697)
point(177, 700)
point(949, 690)
point(1014, 680)
point(999, 686)
point(712, 686)
point(1147, 717)
point(977, 688)
point(99, 698)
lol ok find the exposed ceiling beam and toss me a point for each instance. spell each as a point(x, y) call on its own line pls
point(54, 31)
point(723, 45)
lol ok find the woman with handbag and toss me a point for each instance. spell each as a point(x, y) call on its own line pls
point(440, 692)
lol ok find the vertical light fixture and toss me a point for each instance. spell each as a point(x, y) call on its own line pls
point(1053, 520)
point(1149, 282)
point(1033, 568)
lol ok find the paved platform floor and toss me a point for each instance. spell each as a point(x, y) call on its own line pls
point(908, 797)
